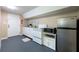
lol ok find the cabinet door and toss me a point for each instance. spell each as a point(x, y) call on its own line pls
point(27, 30)
point(45, 41)
point(37, 34)
point(37, 40)
point(51, 44)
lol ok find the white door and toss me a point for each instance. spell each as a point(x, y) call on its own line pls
point(13, 25)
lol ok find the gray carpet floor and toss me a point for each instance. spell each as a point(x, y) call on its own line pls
point(15, 44)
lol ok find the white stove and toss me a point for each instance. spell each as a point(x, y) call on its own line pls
point(49, 38)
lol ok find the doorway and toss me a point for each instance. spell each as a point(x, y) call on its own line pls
point(13, 25)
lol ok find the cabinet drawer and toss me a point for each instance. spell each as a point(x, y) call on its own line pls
point(37, 34)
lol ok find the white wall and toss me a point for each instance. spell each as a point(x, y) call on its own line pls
point(51, 21)
point(3, 23)
point(42, 10)
point(0, 22)
point(0, 44)
point(14, 25)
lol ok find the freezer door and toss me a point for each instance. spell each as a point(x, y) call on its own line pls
point(66, 40)
point(67, 22)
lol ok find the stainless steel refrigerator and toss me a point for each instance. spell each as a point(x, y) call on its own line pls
point(67, 35)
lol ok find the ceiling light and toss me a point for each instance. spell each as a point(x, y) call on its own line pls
point(12, 7)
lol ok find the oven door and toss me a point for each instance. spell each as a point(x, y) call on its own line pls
point(49, 42)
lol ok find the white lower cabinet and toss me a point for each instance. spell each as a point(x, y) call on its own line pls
point(45, 42)
point(28, 31)
point(34, 33)
point(37, 40)
point(49, 42)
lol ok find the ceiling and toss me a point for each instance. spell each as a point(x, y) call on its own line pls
point(57, 12)
point(20, 9)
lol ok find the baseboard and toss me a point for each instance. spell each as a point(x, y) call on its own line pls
point(15, 35)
